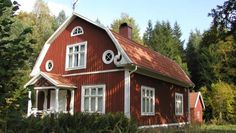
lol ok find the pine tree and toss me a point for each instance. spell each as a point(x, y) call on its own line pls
point(148, 35)
point(15, 50)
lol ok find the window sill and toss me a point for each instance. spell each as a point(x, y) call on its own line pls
point(147, 114)
point(179, 114)
point(75, 68)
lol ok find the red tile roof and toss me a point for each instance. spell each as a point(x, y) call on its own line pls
point(151, 60)
point(60, 81)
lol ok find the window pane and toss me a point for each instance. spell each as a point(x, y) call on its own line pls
point(70, 60)
point(100, 91)
point(93, 91)
point(143, 92)
point(147, 103)
point(86, 104)
point(71, 50)
point(86, 92)
point(93, 102)
point(76, 62)
point(151, 93)
point(100, 106)
point(82, 59)
point(82, 47)
point(147, 92)
point(151, 104)
point(143, 108)
point(76, 48)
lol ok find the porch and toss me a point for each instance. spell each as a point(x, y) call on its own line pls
point(52, 94)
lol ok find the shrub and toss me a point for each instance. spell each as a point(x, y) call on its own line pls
point(79, 122)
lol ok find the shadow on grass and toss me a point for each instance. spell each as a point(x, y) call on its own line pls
point(193, 129)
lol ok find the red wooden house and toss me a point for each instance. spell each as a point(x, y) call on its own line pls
point(196, 107)
point(86, 67)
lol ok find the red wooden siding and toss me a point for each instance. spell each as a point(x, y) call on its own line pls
point(114, 89)
point(194, 113)
point(164, 101)
point(97, 42)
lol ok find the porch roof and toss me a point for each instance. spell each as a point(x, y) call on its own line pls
point(56, 79)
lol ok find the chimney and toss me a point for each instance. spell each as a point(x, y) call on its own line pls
point(125, 30)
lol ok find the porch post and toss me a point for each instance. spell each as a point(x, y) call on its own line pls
point(29, 104)
point(56, 101)
point(37, 92)
point(72, 102)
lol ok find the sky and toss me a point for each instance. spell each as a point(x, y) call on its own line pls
point(189, 14)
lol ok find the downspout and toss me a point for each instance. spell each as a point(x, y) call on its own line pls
point(135, 69)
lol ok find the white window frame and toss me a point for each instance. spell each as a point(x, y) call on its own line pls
point(46, 65)
point(153, 101)
point(75, 28)
point(67, 68)
point(177, 96)
point(104, 56)
point(96, 107)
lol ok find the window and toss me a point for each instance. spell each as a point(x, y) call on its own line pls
point(93, 99)
point(108, 56)
point(178, 104)
point(76, 56)
point(49, 65)
point(147, 101)
point(77, 31)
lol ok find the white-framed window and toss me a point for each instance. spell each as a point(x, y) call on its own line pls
point(77, 31)
point(49, 65)
point(147, 100)
point(108, 56)
point(179, 104)
point(93, 99)
point(76, 56)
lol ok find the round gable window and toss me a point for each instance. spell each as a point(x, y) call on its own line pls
point(49, 65)
point(108, 56)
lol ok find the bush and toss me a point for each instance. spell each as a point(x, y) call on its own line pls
point(79, 122)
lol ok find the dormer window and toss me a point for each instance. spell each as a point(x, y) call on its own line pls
point(77, 31)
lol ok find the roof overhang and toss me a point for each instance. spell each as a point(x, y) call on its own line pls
point(160, 76)
point(48, 78)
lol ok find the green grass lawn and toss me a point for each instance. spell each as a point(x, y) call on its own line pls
point(205, 128)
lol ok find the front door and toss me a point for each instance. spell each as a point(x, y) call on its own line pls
point(41, 97)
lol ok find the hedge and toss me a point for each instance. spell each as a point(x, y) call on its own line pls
point(77, 123)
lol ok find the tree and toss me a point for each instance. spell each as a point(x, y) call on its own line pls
point(224, 17)
point(148, 35)
point(166, 41)
point(61, 17)
point(192, 57)
point(221, 99)
point(15, 50)
point(125, 18)
point(43, 25)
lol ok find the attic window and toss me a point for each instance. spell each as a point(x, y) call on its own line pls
point(77, 31)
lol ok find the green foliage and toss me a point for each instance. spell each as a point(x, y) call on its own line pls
point(79, 122)
point(220, 98)
point(224, 18)
point(125, 18)
point(166, 40)
point(15, 51)
point(192, 57)
point(61, 17)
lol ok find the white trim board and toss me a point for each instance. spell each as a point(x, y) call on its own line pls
point(93, 72)
point(127, 93)
point(201, 98)
point(164, 125)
